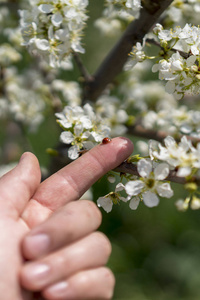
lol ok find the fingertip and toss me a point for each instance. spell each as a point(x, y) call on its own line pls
point(119, 147)
point(125, 144)
point(28, 156)
point(30, 163)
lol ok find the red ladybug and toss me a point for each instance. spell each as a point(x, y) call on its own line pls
point(106, 140)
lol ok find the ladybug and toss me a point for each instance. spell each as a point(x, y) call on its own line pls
point(106, 140)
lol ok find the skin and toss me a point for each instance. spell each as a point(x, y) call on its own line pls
point(49, 246)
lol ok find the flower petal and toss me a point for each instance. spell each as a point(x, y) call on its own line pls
point(150, 199)
point(57, 19)
point(183, 171)
point(134, 187)
point(73, 152)
point(45, 8)
point(161, 171)
point(119, 187)
point(42, 44)
point(106, 203)
point(164, 190)
point(78, 129)
point(144, 167)
point(134, 203)
point(66, 137)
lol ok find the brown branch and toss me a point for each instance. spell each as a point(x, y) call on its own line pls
point(129, 168)
point(139, 131)
point(114, 62)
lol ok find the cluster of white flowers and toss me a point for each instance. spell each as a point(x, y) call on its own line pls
point(8, 55)
point(183, 156)
point(113, 113)
point(181, 71)
point(83, 129)
point(116, 13)
point(87, 126)
point(70, 91)
point(150, 183)
point(173, 121)
point(157, 109)
point(54, 29)
point(146, 188)
point(141, 96)
point(131, 7)
point(181, 12)
point(24, 99)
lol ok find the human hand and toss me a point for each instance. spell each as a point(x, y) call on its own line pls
point(67, 252)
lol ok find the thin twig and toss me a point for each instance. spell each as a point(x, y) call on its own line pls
point(84, 72)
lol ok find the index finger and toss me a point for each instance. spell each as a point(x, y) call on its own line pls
point(72, 181)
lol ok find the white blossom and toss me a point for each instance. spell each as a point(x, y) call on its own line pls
point(181, 73)
point(149, 185)
point(54, 29)
point(8, 55)
point(83, 128)
point(108, 200)
point(183, 155)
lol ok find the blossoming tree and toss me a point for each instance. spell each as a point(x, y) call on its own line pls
point(41, 38)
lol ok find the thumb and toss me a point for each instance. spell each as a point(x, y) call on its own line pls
point(18, 185)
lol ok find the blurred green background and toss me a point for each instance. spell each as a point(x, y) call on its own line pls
point(156, 252)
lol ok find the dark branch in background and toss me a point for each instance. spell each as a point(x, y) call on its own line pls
point(114, 62)
point(129, 168)
point(139, 131)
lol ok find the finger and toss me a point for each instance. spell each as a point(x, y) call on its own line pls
point(90, 284)
point(72, 181)
point(18, 186)
point(72, 222)
point(88, 253)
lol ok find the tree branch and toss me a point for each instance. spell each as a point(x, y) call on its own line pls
point(114, 62)
point(130, 168)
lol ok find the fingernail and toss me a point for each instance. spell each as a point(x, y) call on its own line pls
point(59, 289)
point(37, 244)
point(37, 273)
